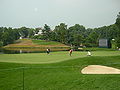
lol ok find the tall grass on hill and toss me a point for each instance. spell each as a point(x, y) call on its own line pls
point(43, 42)
point(36, 45)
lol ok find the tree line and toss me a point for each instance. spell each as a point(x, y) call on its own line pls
point(76, 35)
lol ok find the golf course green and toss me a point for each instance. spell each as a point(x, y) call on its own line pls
point(57, 71)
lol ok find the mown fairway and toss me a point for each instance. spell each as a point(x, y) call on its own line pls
point(37, 58)
point(63, 75)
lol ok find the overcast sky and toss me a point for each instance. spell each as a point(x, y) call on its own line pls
point(36, 13)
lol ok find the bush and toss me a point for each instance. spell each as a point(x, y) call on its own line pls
point(90, 45)
point(97, 49)
point(1, 43)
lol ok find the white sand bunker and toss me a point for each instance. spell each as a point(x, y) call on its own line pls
point(98, 69)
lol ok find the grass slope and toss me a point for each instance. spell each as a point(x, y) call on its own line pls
point(36, 45)
point(43, 42)
point(64, 75)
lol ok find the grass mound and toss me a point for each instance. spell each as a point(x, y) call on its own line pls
point(36, 45)
point(43, 42)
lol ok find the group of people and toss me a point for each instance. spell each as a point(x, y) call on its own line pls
point(70, 52)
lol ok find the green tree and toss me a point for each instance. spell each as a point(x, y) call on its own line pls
point(78, 39)
point(61, 32)
point(92, 39)
point(1, 32)
point(1, 43)
point(31, 32)
point(24, 32)
point(118, 33)
point(76, 34)
point(46, 32)
point(118, 20)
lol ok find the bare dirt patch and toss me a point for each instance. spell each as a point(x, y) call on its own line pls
point(98, 69)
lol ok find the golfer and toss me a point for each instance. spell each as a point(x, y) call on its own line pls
point(70, 52)
point(88, 53)
point(48, 51)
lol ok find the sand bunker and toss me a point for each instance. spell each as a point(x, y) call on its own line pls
point(98, 69)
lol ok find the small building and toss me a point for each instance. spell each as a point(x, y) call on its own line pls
point(20, 37)
point(39, 33)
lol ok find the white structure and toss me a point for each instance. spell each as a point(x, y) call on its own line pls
point(20, 38)
point(113, 39)
point(89, 53)
point(39, 33)
point(103, 43)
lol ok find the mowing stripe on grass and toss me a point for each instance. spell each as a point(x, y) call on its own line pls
point(54, 57)
point(50, 67)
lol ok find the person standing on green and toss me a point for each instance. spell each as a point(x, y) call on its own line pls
point(70, 52)
point(88, 53)
point(48, 51)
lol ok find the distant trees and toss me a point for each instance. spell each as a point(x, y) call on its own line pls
point(46, 32)
point(8, 35)
point(92, 39)
point(76, 35)
point(118, 20)
point(118, 30)
point(61, 32)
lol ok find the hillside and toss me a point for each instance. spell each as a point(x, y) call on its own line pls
point(39, 45)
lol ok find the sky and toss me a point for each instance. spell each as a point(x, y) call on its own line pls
point(36, 13)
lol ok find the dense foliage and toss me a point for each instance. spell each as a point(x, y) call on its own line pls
point(76, 35)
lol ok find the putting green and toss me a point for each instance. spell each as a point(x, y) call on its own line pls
point(38, 58)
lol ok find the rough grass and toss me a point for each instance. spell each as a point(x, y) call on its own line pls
point(36, 45)
point(64, 75)
point(97, 49)
point(43, 42)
